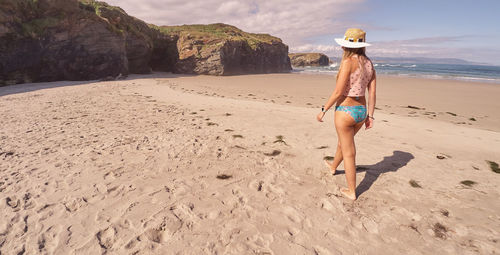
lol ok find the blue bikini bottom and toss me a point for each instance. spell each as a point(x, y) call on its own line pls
point(357, 112)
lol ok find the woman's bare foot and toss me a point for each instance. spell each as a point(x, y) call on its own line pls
point(330, 166)
point(349, 194)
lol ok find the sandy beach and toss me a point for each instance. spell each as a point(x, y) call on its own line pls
point(180, 164)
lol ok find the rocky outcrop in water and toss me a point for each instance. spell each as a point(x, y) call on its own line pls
point(50, 40)
point(308, 59)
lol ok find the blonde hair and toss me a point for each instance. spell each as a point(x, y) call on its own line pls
point(349, 52)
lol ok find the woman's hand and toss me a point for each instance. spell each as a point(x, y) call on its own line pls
point(320, 116)
point(368, 123)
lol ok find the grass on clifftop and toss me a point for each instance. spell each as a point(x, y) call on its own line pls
point(97, 5)
point(220, 31)
point(119, 21)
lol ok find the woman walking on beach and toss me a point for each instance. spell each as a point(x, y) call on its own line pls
point(356, 73)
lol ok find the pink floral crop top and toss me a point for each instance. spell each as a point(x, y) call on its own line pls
point(358, 80)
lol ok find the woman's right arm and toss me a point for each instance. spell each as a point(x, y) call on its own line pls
point(372, 98)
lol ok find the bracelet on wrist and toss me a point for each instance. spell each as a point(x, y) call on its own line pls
point(323, 109)
point(371, 117)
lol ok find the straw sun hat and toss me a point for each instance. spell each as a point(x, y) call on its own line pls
point(353, 38)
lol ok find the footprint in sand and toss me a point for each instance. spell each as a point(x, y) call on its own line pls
point(107, 237)
point(49, 240)
point(13, 202)
point(259, 242)
point(185, 214)
point(72, 205)
point(158, 235)
point(369, 225)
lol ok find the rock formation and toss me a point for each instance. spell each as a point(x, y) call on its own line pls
point(308, 59)
point(49, 40)
point(220, 49)
point(146, 47)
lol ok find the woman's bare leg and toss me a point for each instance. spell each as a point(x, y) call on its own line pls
point(337, 159)
point(345, 127)
point(338, 154)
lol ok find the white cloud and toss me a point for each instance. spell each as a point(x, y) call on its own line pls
point(330, 50)
point(291, 20)
point(437, 47)
point(298, 23)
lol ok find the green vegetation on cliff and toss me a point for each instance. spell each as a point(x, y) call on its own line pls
point(29, 21)
point(96, 6)
point(37, 27)
point(99, 8)
point(120, 22)
point(219, 32)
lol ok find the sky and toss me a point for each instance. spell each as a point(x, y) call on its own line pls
point(465, 29)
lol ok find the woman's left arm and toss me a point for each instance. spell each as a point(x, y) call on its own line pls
point(344, 71)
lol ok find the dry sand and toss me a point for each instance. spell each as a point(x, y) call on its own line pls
point(167, 164)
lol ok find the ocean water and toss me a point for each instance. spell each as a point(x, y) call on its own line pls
point(480, 73)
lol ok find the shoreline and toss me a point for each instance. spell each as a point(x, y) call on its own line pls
point(460, 102)
point(159, 74)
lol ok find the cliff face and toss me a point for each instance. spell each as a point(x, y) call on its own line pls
point(220, 49)
point(49, 40)
point(146, 47)
point(308, 59)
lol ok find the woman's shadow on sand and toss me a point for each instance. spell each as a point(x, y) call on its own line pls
point(389, 164)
